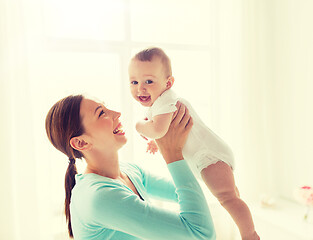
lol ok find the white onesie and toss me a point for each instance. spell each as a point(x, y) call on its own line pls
point(203, 147)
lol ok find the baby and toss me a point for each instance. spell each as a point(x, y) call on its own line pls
point(208, 156)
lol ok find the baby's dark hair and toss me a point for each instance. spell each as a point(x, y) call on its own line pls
point(149, 53)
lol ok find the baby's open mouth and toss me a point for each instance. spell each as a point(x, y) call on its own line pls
point(118, 130)
point(144, 98)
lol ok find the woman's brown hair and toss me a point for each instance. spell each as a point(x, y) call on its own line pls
point(63, 122)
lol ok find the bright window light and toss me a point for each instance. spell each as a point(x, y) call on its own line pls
point(178, 22)
point(81, 19)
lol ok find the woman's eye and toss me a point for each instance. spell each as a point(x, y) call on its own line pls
point(149, 81)
point(102, 112)
point(134, 82)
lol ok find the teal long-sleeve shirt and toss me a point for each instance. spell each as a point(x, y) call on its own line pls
point(104, 208)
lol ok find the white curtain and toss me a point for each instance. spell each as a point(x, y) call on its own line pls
point(242, 103)
point(278, 84)
point(265, 71)
point(294, 99)
point(19, 203)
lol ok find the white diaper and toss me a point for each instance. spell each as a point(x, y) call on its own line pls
point(205, 158)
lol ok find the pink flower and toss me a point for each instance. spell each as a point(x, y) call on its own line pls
point(304, 195)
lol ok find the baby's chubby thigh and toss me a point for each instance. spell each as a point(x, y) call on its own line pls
point(219, 178)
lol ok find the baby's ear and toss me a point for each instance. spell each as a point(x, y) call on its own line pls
point(170, 82)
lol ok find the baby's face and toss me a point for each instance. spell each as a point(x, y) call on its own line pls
point(147, 80)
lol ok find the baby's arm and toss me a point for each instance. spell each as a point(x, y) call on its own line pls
point(155, 128)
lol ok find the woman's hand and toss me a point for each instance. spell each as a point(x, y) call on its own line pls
point(171, 145)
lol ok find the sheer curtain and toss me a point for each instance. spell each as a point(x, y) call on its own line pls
point(18, 163)
point(264, 77)
point(278, 84)
point(294, 99)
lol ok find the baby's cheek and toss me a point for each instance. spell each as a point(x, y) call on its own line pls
point(133, 93)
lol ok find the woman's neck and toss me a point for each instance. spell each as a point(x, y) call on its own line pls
point(104, 165)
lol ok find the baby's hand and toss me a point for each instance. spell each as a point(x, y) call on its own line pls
point(152, 147)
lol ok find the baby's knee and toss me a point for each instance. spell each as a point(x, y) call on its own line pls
point(225, 197)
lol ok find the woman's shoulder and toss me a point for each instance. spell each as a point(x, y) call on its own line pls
point(92, 190)
point(134, 170)
point(130, 166)
point(93, 183)
point(96, 197)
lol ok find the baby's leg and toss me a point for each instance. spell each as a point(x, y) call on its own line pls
point(220, 180)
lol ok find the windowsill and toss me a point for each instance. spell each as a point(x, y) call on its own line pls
point(285, 216)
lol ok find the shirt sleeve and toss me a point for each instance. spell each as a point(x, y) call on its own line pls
point(169, 108)
point(166, 103)
point(159, 187)
point(123, 211)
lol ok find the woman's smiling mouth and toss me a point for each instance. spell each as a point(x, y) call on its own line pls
point(118, 130)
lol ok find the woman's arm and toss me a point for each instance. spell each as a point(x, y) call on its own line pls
point(157, 186)
point(122, 210)
point(155, 128)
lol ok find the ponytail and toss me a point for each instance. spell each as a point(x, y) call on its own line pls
point(69, 184)
point(63, 122)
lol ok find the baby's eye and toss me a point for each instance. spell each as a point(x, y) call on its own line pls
point(134, 82)
point(101, 113)
point(149, 81)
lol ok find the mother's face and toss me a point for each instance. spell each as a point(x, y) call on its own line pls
point(103, 129)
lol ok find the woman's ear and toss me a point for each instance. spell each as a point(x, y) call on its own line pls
point(170, 82)
point(79, 143)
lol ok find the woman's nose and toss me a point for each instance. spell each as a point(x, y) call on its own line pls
point(116, 115)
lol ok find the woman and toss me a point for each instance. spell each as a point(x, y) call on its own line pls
point(111, 199)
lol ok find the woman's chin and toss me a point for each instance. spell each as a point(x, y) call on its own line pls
point(122, 140)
